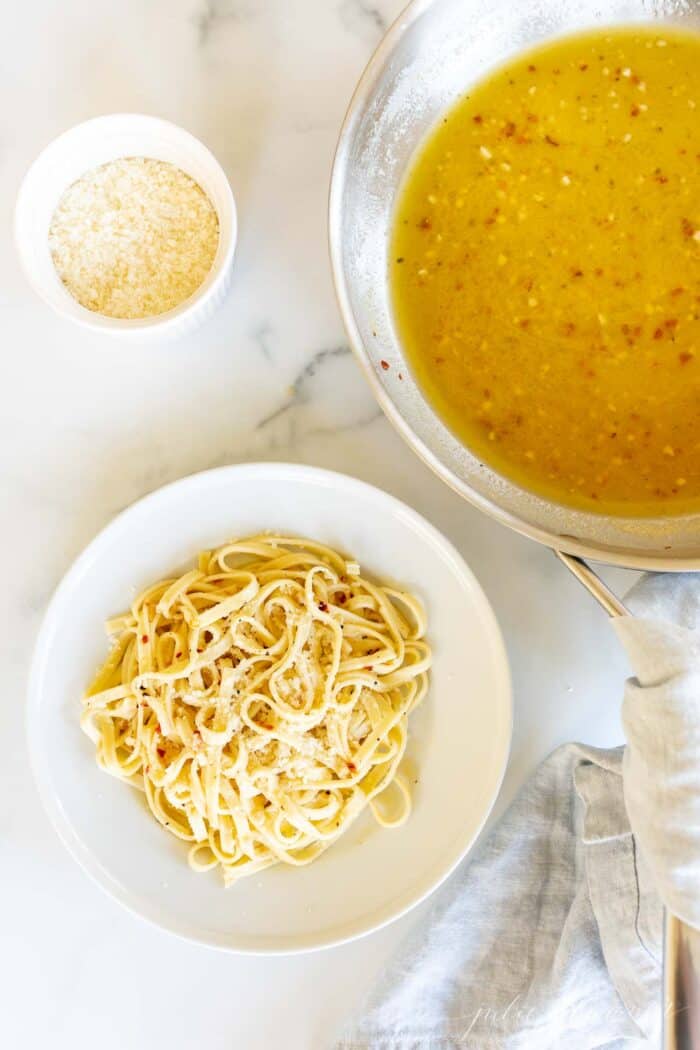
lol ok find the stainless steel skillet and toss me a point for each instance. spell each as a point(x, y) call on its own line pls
point(426, 60)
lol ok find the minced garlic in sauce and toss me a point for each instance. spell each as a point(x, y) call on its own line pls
point(133, 238)
point(546, 271)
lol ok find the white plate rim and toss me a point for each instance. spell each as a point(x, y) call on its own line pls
point(49, 626)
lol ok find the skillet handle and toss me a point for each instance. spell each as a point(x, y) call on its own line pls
point(681, 952)
point(593, 584)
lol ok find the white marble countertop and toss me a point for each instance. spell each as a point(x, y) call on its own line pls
point(88, 425)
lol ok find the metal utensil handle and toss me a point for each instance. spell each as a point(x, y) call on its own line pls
point(681, 951)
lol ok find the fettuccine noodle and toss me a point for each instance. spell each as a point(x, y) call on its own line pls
point(261, 701)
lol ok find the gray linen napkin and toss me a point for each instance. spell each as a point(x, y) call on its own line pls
point(550, 936)
point(661, 716)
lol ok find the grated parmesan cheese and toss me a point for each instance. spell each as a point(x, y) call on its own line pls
point(133, 238)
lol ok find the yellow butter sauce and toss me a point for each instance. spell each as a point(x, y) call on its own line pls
point(545, 270)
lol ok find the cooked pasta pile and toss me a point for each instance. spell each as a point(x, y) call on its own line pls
point(261, 701)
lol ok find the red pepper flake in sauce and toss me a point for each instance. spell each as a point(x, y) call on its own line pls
point(352, 766)
point(658, 333)
point(478, 119)
point(687, 228)
point(684, 357)
point(583, 66)
point(342, 598)
point(161, 751)
point(384, 364)
point(425, 224)
point(178, 655)
point(531, 68)
point(323, 607)
point(635, 111)
point(509, 129)
point(144, 638)
point(677, 291)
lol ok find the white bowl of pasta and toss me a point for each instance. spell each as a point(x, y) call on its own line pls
point(320, 724)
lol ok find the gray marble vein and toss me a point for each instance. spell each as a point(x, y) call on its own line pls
point(263, 337)
point(363, 18)
point(298, 391)
point(215, 12)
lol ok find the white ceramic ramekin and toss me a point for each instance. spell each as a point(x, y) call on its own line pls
point(96, 142)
